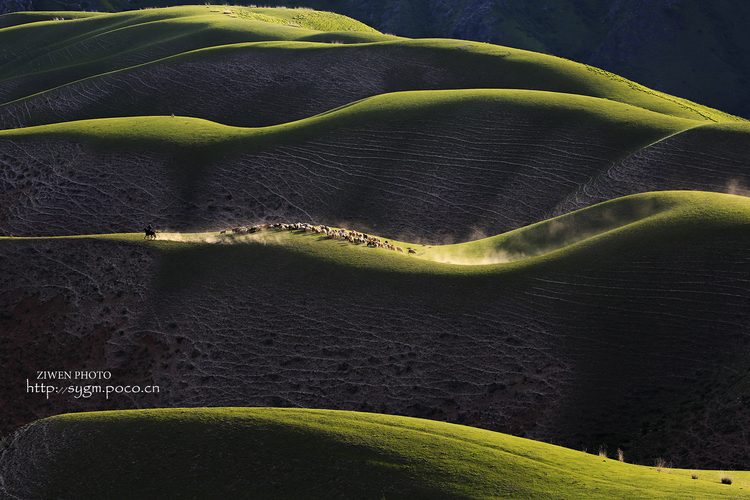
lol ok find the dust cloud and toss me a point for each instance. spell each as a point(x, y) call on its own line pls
point(494, 257)
point(736, 187)
point(263, 237)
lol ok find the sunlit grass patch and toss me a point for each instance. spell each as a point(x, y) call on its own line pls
point(277, 452)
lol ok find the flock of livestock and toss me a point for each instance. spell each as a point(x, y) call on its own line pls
point(354, 237)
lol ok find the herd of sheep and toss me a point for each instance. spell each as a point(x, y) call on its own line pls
point(352, 236)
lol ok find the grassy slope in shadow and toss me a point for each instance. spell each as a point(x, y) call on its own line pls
point(196, 142)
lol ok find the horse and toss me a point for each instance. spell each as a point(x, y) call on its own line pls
point(150, 233)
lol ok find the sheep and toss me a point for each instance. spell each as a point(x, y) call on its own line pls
point(352, 236)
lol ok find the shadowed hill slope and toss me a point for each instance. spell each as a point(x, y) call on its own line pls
point(689, 48)
point(38, 56)
point(446, 166)
point(366, 456)
point(268, 83)
point(146, 63)
point(530, 136)
point(711, 158)
point(634, 337)
point(624, 324)
point(414, 165)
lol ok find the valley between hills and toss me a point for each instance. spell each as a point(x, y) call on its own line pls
point(580, 276)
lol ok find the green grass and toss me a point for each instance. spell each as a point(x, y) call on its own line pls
point(369, 455)
point(646, 217)
point(290, 453)
point(641, 220)
point(19, 18)
point(302, 18)
point(646, 221)
point(70, 50)
point(66, 51)
point(194, 143)
point(634, 124)
point(632, 240)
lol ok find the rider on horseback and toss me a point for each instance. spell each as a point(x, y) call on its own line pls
point(150, 231)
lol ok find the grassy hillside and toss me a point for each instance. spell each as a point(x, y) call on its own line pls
point(628, 334)
point(691, 49)
point(643, 214)
point(41, 55)
point(400, 164)
point(635, 125)
point(158, 71)
point(580, 274)
point(274, 453)
point(650, 219)
point(379, 135)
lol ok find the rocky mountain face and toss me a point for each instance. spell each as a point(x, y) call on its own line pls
point(7, 6)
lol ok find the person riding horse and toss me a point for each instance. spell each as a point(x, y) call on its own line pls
point(150, 232)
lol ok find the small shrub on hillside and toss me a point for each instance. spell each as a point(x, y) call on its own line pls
point(725, 479)
point(694, 475)
point(662, 464)
point(620, 455)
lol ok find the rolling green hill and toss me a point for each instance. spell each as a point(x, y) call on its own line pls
point(622, 325)
point(147, 63)
point(419, 124)
point(692, 49)
point(40, 55)
point(580, 276)
point(401, 164)
point(271, 453)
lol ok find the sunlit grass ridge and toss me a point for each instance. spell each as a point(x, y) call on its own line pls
point(553, 318)
point(294, 453)
point(647, 216)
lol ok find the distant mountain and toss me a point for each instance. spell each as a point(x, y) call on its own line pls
point(697, 50)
